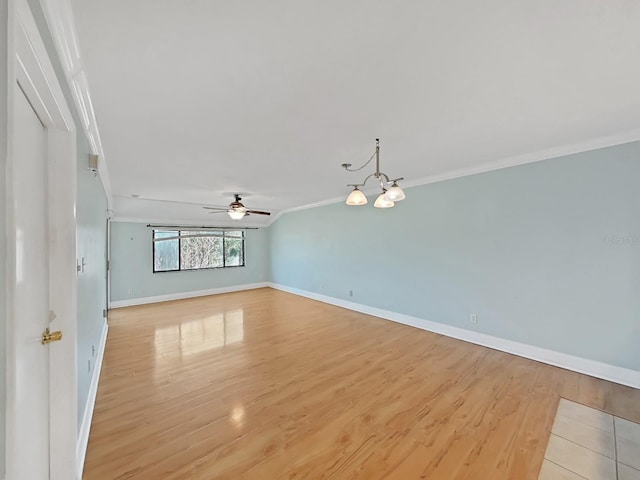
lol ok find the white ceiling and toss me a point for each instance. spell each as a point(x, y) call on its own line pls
point(197, 99)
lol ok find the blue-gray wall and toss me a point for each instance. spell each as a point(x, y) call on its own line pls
point(3, 239)
point(132, 266)
point(547, 253)
point(91, 238)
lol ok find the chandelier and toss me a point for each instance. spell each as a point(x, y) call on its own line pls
point(388, 197)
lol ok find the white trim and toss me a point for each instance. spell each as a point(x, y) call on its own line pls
point(85, 426)
point(192, 223)
point(182, 295)
point(59, 17)
point(321, 203)
point(537, 156)
point(540, 155)
point(35, 75)
point(222, 220)
point(592, 368)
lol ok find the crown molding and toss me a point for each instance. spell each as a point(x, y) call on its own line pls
point(321, 203)
point(186, 223)
point(620, 138)
point(59, 17)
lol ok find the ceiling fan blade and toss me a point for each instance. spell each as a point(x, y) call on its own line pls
point(222, 209)
point(219, 211)
point(258, 212)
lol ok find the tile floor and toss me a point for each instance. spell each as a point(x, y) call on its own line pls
point(586, 443)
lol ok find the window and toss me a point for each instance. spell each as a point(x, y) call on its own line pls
point(175, 250)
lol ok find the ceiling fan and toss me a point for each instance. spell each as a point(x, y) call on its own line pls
point(236, 209)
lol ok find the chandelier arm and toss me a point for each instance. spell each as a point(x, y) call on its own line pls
point(387, 197)
point(368, 177)
point(378, 175)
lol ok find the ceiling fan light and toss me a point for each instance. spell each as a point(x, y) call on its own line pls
point(356, 197)
point(236, 213)
point(395, 193)
point(382, 202)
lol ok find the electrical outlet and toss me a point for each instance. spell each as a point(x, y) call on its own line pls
point(93, 350)
point(89, 366)
point(104, 313)
point(473, 318)
point(351, 293)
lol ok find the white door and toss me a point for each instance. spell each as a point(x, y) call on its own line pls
point(31, 290)
point(41, 408)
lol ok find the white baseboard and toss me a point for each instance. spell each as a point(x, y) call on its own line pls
point(592, 368)
point(182, 295)
point(85, 427)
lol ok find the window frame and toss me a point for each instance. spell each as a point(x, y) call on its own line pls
point(179, 235)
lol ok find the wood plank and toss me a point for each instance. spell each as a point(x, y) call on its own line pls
point(264, 384)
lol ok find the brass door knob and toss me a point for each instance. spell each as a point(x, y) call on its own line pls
point(48, 337)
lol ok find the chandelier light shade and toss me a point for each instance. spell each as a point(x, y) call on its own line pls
point(383, 202)
point(387, 198)
point(356, 197)
point(395, 193)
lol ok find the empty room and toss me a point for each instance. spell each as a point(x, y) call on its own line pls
point(320, 240)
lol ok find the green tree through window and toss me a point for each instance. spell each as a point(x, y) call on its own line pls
point(195, 250)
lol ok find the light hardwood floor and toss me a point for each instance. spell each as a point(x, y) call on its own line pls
point(266, 385)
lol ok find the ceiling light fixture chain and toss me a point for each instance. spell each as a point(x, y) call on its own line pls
point(347, 166)
point(388, 197)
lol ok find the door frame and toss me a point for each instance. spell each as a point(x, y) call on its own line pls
point(30, 66)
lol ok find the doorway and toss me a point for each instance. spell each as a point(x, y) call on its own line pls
point(41, 250)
